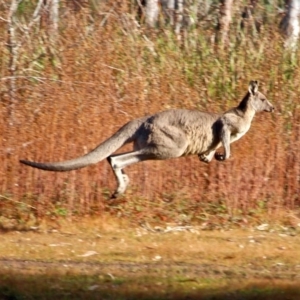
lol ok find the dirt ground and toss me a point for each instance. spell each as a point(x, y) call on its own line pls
point(113, 260)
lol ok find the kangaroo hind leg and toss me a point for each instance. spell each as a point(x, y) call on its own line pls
point(120, 161)
point(163, 143)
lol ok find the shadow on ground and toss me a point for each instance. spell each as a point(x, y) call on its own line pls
point(15, 286)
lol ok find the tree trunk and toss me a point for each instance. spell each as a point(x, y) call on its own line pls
point(224, 21)
point(289, 25)
point(179, 17)
point(151, 12)
point(54, 18)
point(50, 18)
point(14, 42)
point(168, 10)
point(250, 24)
point(13, 48)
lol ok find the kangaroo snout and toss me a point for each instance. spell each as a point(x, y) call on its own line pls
point(267, 105)
point(271, 108)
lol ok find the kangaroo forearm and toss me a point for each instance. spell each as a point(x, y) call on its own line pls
point(225, 139)
point(226, 150)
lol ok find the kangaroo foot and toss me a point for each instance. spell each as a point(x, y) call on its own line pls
point(122, 186)
point(206, 157)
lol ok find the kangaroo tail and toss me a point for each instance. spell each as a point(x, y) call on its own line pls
point(123, 136)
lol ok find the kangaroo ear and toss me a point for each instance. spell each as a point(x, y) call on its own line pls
point(253, 87)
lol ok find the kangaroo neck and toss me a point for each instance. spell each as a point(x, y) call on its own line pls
point(245, 108)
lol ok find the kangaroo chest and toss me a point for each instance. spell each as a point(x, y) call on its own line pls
point(237, 134)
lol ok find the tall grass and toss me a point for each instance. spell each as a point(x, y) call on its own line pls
point(103, 73)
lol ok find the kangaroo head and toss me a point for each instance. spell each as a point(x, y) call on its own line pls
point(258, 101)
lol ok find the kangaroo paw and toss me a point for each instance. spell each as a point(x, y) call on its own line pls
point(219, 156)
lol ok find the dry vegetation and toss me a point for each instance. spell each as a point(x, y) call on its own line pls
point(105, 71)
point(109, 259)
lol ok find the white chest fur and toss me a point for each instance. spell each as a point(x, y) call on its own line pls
point(237, 135)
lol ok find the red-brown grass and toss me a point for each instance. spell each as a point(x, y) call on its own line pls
point(98, 77)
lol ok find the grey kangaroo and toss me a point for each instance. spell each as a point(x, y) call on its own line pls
point(169, 134)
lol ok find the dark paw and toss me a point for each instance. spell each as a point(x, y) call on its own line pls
point(116, 199)
point(115, 195)
point(219, 156)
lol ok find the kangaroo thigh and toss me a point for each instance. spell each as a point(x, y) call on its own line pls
point(165, 142)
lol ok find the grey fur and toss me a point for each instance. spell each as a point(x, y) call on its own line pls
point(169, 134)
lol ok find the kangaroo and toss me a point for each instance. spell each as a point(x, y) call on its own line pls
point(170, 134)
